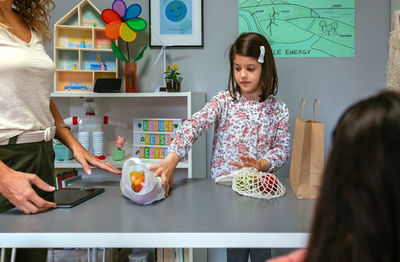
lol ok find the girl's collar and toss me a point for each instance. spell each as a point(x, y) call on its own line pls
point(251, 102)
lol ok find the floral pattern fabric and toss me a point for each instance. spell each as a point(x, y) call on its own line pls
point(242, 127)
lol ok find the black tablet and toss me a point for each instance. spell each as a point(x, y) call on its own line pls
point(69, 197)
point(107, 85)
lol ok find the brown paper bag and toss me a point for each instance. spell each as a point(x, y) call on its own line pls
point(307, 164)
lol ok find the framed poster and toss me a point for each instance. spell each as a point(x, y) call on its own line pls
point(176, 23)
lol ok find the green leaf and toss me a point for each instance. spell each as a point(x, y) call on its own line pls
point(137, 24)
point(117, 52)
point(140, 55)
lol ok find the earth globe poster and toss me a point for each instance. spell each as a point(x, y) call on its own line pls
point(302, 28)
point(176, 17)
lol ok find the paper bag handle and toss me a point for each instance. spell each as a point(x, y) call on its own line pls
point(395, 20)
point(302, 105)
point(316, 100)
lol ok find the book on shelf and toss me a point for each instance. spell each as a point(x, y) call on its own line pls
point(63, 174)
point(68, 181)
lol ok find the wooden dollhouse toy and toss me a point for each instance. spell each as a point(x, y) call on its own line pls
point(82, 51)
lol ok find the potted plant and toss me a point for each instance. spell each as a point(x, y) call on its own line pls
point(173, 78)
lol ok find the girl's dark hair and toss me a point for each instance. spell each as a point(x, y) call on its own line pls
point(248, 44)
point(357, 217)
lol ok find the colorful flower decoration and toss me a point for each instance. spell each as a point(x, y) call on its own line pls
point(122, 21)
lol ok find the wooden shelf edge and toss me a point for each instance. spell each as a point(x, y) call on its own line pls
point(86, 71)
point(117, 95)
point(79, 27)
point(107, 50)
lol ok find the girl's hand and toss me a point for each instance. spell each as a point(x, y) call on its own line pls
point(17, 188)
point(86, 159)
point(165, 169)
point(248, 161)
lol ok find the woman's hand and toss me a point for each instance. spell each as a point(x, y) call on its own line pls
point(81, 155)
point(165, 169)
point(86, 159)
point(248, 161)
point(17, 188)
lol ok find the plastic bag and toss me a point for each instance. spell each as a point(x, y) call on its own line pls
point(152, 189)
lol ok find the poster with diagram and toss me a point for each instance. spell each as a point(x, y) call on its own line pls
point(302, 28)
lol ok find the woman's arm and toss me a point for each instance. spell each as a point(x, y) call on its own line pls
point(81, 155)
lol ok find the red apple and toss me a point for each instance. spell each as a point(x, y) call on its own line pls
point(267, 183)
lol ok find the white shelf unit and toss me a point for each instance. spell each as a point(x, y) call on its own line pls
point(125, 107)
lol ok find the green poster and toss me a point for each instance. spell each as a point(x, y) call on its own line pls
point(301, 28)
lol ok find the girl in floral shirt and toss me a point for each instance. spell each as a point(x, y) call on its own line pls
point(251, 126)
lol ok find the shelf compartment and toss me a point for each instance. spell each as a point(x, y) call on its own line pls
point(103, 74)
point(90, 17)
point(65, 78)
point(72, 21)
point(91, 60)
point(101, 41)
point(68, 59)
point(74, 37)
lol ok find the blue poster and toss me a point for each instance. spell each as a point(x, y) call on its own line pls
point(176, 17)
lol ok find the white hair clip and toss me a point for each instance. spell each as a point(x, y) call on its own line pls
point(262, 54)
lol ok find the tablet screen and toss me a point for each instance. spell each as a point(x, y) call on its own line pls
point(69, 197)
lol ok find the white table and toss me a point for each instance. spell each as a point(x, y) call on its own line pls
point(197, 214)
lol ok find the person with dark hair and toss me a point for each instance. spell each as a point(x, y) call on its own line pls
point(29, 119)
point(357, 218)
point(251, 125)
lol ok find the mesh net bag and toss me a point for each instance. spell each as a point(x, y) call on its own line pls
point(248, 181)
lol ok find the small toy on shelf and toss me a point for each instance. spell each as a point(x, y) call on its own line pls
point(76, 86)
point(62, 153)
point(119, 154)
